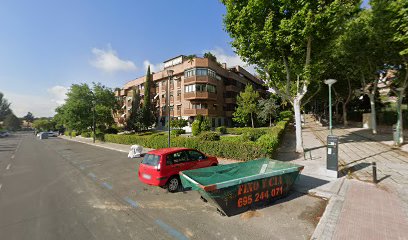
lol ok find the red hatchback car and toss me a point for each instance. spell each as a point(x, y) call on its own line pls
point(161, 167)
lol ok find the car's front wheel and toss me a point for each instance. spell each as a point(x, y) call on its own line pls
point(173, 185)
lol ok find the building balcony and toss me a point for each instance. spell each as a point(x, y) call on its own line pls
point(200, 95)
point(228, 113)
point(194, 112)
point(231, 88)
point(230, 100)
point(200, 79)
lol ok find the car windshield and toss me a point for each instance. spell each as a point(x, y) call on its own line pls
point(151, 159)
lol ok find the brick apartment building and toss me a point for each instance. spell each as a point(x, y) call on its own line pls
point(198, 86)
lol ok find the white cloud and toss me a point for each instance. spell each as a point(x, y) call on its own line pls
point(109, 61)
point(38, 105)
point(153, 67)
point(231, 60)
point(58, 94)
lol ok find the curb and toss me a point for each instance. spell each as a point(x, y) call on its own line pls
point(94, 144)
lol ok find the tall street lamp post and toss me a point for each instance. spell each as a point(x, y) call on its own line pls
point(93, 119)
point(170, 74)
point(330, 82)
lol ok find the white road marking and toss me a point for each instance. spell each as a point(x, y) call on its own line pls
point(8, 166)
point(1, 185)
point(12, 157)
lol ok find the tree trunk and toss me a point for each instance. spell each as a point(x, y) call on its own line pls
point(298, 122)
point(337, 111)
point(345, 122)
point(270, 121)
point(373, 113)
point(400, 131)
point(252, 121)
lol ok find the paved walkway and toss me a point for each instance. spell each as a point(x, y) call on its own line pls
point(357, 208)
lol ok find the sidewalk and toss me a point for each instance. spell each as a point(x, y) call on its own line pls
point(357, 208)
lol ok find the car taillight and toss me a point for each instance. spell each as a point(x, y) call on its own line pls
point(158, 167)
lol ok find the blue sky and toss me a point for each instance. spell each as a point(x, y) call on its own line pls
point(46, 45)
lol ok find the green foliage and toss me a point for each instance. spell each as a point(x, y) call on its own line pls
point(267, 109)
point(67, 133)
point(77, 112)
point(178, 123)
point(86, 134)
point(177, 132)
point(12, 122)
point(73, 134)
point(4, 107)
point(252, 134)
point(210, 56)
point(205, 125)
point(147, 110)
point(286, 115)
point(135, 119)
point(247, 105)
point(196, 127)
point(29, 117)
point(221, 130)
point(44, 124)
point(209, 136)
point(228, 147)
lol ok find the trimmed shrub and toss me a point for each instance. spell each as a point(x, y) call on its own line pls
point(221, 130)
point(285, 115)
point(73, 134)
point(227, 147)
point(252, 135)
point(206, 125)
point(209, 136)
point(67, 133)
point(177, 132)
point(86, 134)
point(196, 127)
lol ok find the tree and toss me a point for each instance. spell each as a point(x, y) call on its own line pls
point(246, 105)
point(134, 121)
point(12, 122)
point(267, 109)
point(277, 37)
point(178, 123)
point(4, 107)
point(210, 56)
point(147, 110)
point(76, 113)
point(29, 117)
point(44, 124)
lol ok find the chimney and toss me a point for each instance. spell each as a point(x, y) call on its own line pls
point(224, 65)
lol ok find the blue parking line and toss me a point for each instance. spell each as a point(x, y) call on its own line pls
point(131, 202)
point(107, 185)
point(173, 232)
point(92, 175)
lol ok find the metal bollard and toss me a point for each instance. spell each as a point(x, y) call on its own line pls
point(374, 172)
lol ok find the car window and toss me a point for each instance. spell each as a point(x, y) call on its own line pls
point(151, 159)
point(177, 157)
point(194, 155)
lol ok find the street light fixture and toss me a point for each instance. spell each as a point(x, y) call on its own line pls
point(93, 119)
point(170, 74)
point(330, 82)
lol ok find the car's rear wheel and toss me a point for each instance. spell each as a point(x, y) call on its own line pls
point(173, 185)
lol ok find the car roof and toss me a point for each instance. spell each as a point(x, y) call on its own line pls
point(163, 151)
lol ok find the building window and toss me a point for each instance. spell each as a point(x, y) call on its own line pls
point(200, 88)
point(201, 72)
point(189, 73)
point(199, 105)
point(178, 93)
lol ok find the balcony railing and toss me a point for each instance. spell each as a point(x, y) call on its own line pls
point(231, 88)
point(200, 95)
point(196, 112)
point(230, 100)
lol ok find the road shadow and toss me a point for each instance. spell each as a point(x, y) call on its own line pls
point(305, 183)
point(352, 167)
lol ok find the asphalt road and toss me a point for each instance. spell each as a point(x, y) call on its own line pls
point(58, 189)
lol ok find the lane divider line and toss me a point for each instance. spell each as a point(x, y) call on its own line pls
point(131, 202)
point(92, 175)
point(12, 156)
point(8, 166)
point(1, 185)
point(173, 232)
point(107, 185)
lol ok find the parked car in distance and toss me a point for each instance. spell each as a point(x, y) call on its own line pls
point(52, 134)
point(4, 134)
point(161, 167)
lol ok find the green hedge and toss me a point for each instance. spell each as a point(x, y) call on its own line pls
point(73, 134)
point(209, 136)
point(86, 134)
point(221, 130)
point(178, 132)
point(227, 147)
